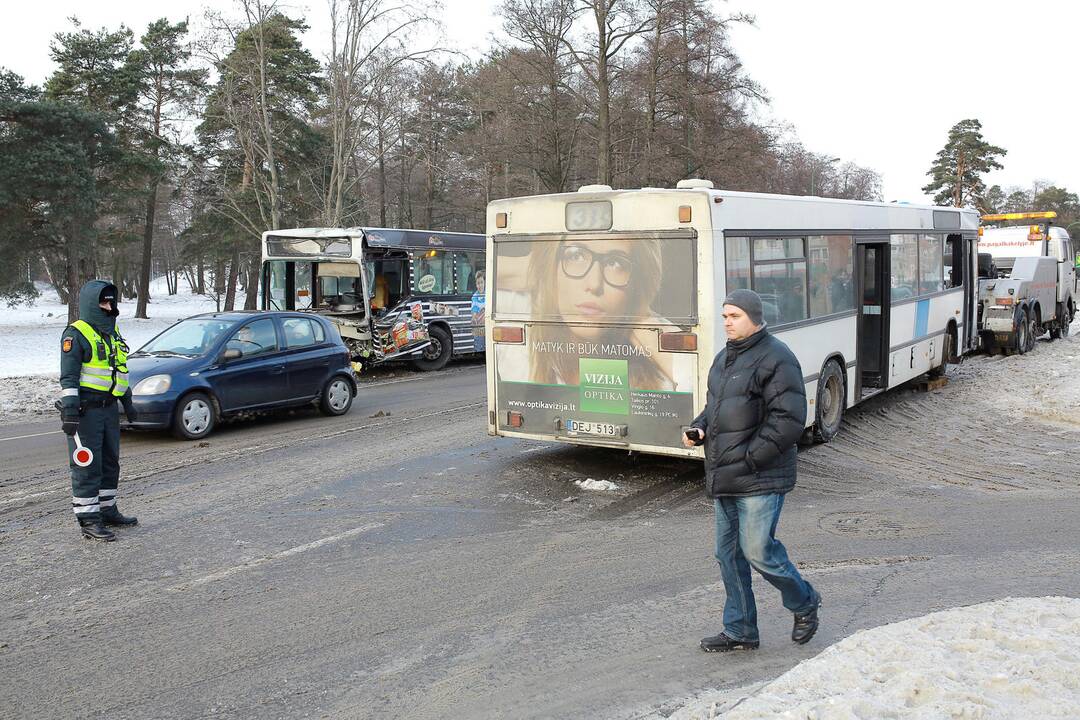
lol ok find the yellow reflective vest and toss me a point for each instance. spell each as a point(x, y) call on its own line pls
point(106, 370)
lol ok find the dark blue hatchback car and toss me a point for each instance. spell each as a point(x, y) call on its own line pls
point(210, 366)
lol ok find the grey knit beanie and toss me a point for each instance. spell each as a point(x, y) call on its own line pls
point(750, 303)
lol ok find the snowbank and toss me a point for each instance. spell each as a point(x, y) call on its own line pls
point(1011, 658)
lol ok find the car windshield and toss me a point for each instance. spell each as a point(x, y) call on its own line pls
point(188, 338)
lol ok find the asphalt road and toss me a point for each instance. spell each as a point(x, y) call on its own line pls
point(399, 562)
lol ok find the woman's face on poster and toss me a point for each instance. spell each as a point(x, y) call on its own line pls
point(593, 282)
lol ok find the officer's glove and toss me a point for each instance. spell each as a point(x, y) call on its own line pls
point(129, 408)
point(69, 421)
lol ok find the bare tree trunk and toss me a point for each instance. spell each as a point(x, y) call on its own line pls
point(251, 300)
point(234, 272)
point(147, 253)
point(74, 281)
point(382, 178)
point(219, 281)
point(200, 276)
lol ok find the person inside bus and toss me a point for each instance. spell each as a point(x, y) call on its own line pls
point(380, 296)
point(599, 282)
point(754, 414)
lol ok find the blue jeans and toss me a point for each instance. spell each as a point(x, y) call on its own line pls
point(745, 538)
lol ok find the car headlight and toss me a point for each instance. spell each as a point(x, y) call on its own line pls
point(153, 385)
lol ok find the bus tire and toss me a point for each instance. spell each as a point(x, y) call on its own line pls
point(437, 354)
point(830, 402)
point(948, 351)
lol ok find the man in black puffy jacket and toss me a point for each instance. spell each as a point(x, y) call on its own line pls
point(754, 414)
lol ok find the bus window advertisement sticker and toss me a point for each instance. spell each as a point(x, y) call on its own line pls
point(597, 282)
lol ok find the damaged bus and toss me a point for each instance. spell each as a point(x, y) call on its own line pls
point(392, 293)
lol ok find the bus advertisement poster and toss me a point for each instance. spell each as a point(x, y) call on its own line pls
point(626, 390)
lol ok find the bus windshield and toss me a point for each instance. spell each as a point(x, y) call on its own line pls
point(596, 280)
point(308, 246)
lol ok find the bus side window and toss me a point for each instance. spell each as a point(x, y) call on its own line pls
point(737, 252)
point(463, 273)
point(466, 267)
point(952, 262)
point(905, 266)
point(433, 273)
point(832, 287)
point(930, 272)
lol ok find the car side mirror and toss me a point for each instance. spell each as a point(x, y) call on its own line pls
point(231, 354)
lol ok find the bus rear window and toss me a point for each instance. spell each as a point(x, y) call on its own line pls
point(596, 281)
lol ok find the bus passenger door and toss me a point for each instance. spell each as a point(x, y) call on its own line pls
point(872, 263)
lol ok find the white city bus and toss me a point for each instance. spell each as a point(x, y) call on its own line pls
point(605, 308)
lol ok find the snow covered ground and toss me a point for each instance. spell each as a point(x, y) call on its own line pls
point(1012, 658)
point(30, 342)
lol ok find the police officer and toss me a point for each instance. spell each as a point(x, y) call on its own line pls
point(93, 375)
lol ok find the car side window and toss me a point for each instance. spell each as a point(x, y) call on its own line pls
point(255, 338)
point(301, 332)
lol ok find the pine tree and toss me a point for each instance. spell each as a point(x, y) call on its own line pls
point(956, 175)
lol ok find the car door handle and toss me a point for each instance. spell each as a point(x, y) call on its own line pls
point(277, 369)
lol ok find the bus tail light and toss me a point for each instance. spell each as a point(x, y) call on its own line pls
point(685, 213)
point(678, 342)
point(500, 220)
point(508, 334)
point(1004, 300)
point(515, 419)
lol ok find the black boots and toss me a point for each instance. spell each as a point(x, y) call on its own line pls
point(722, 643)
point(95, 530)
point(111, 516)
point(806, 624)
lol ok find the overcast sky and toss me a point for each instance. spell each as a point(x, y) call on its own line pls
point(873, 82)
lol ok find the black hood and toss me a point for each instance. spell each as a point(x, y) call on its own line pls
point(89, 310)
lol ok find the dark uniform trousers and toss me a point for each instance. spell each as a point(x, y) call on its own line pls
point(94, 486)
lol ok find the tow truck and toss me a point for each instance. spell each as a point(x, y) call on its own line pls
point(1027, 281)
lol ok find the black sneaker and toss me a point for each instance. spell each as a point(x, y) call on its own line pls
point(723, 643)
point(806, 624)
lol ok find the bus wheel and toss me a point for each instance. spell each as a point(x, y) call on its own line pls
point(947, 352)
point(437, 354)
point(829, 406)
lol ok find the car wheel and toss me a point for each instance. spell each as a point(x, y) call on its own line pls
point(336, 398)
point(437, 354)
point(829, 406)
point(193, 417)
